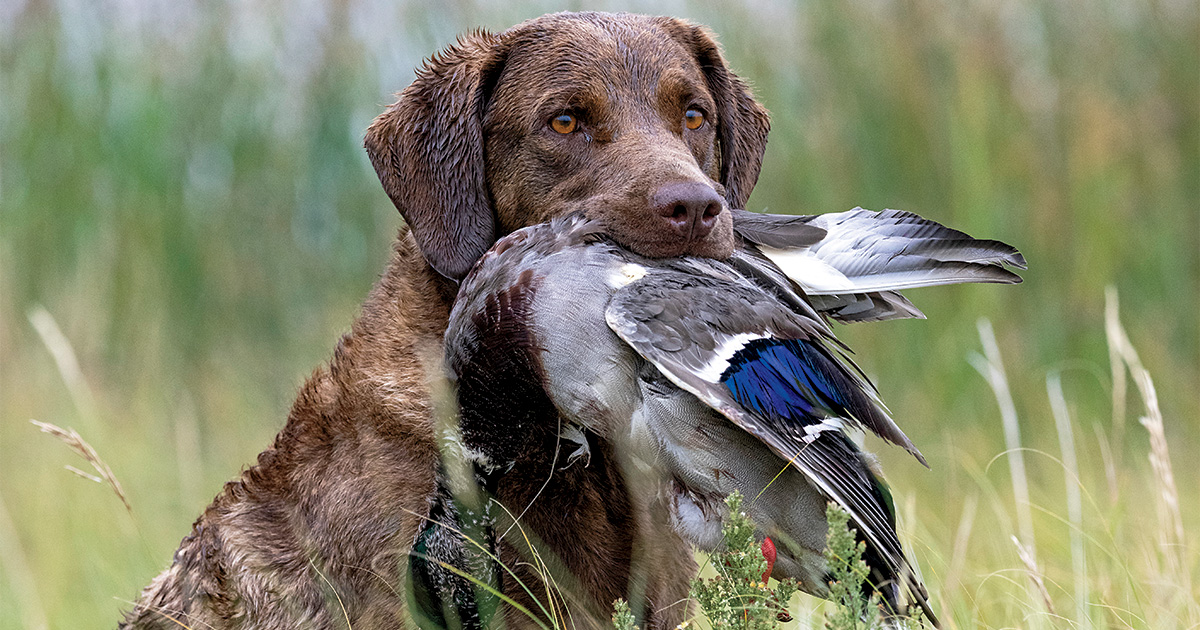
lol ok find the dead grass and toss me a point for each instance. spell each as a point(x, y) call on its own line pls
point(104, 474)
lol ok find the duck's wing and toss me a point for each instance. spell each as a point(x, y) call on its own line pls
point(775, 374)
point(844, 307)
point(782, 231)
point(700, 320)
point(851, 264)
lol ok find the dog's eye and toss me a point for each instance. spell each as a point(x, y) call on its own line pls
point(564, 123)
point(693, 118)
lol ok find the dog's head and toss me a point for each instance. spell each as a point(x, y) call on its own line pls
point(633, 120)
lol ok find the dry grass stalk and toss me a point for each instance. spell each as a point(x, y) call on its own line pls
point(1172, 532)
point(1066, 441)
point(1160, 461)
point(1035, 575)
point(65, 359)
point(991, 366)
point(104, 474)
point(1114, 333)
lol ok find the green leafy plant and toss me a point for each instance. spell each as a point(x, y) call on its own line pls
point(849, 572)
point(738, 598)
point(623, 616)
point(844, 556)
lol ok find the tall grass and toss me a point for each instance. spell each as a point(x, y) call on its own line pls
point(182, 190)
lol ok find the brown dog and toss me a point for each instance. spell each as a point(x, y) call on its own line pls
point(634, 120)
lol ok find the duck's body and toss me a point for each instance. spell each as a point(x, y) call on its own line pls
point(712, 376)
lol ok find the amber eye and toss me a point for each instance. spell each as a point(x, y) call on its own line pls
point(564, 124)
point(693, 118)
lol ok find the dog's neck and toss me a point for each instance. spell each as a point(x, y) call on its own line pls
point(416, 298)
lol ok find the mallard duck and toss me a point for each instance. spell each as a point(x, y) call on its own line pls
point(720, 375)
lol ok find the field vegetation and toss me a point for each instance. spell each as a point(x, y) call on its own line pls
point(188, 222)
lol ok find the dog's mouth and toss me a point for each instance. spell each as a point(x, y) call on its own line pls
point(677, 219)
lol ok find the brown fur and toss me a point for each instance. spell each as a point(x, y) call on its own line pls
point(317, 534)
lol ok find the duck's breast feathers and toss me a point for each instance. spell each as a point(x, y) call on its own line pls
point(525, 246)
point(539, 295)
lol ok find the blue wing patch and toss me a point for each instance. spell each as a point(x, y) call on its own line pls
point(791, 379)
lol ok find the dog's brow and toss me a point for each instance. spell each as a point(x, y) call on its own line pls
point(571, 97)
point(686, 86)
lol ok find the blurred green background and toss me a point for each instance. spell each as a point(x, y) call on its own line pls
point(183, 191)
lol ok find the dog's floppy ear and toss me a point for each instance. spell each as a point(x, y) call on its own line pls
point(427, 149)
point(742, 123)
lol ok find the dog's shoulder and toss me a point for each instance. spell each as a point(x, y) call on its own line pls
point(337, 500)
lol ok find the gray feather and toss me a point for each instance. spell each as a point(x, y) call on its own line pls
point(864, 251)
point(777, 230)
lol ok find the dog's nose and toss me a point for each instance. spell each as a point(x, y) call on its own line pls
point(690, 209)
